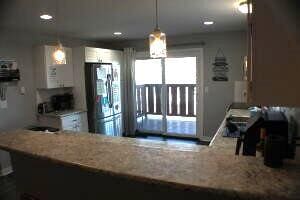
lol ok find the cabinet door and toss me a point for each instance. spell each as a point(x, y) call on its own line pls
point(105, 55)
point(65, 75)
point(49, 60)
point(101, 55)
point(70, 122)
point(275, 62)
point(91, 54)
point(52, 76)
point(83, 125)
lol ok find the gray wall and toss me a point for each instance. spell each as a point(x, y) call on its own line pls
point(21, 108)
point(220, 94)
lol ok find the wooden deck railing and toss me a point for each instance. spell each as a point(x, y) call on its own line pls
point(180, 99)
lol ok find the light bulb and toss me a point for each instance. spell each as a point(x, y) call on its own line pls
point(158, 45)
point(243, 7)
point(59, 55)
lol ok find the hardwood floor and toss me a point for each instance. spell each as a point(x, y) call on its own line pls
point(8, 187)
point(185, 126)
point(172, 140)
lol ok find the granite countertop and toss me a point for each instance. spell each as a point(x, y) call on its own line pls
point(64, 113)
point(212, 168)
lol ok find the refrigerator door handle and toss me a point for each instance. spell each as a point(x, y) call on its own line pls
point(111, 93)
point(94, 110)
point(109, 90)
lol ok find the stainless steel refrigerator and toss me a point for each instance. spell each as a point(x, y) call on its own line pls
point(103, 95)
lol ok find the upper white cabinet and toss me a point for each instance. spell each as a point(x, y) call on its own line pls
point(48, 73)
point(99, 55)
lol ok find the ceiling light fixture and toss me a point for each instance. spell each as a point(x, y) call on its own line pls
point(59, 55)
point(46, 17)
point(242, 6)
point(208, 23)
point(117, 33)
point(157, 40)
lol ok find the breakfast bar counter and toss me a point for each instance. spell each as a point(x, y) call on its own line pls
point(142, 169)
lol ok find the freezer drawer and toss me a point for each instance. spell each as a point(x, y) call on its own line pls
point(111, 126)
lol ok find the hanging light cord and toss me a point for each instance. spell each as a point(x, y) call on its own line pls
point(56, 24)
point(156, 12)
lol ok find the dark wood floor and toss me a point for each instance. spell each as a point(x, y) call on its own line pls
point(185, 126)
point(168, 140)
point(8, 188)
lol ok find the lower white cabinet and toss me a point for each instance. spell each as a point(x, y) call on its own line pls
point(72, 122)
point(76, 122)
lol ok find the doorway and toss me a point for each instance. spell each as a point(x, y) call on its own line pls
point(169, 94)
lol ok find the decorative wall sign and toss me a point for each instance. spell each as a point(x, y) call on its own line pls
point(220, 68)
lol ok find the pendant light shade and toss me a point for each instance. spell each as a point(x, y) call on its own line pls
point(158, 44)
point(157, 41)
point(59, 55)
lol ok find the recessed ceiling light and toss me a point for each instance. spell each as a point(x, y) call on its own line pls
point(46, 17)
point(117, 33)
point(208, 23)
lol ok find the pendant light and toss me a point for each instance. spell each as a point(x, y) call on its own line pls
point(243, 6)
point(59, 54)
point(157, 40)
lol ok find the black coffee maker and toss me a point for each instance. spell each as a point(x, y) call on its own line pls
point(269, 132)
point(251, 137)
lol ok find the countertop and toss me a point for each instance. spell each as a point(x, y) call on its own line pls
point(64, 113)
point(212, 168)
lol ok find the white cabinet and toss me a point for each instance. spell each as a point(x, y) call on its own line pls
point(50, 75)
point(96, 55)
point(65, 75)
point(73, 122)
point(91, 55)
point(76, 122)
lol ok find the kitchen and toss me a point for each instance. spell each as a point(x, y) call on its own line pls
point(23, 99)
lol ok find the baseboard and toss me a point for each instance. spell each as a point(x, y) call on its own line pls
point(206, 138)
point(6, 171)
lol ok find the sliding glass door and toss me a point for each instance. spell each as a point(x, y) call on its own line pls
point(149, 82)
point(180, 81)
point(166, 96)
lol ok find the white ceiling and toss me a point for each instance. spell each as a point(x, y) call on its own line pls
point(98, 19)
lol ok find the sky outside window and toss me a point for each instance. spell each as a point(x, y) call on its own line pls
point(178, 71)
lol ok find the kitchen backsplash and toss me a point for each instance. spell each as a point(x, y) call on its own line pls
point(44, 95)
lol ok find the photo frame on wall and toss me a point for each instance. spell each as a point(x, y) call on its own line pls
point(220, 68)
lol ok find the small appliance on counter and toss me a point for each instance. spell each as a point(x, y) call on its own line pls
point(45, 107)
point(234, 125)
point(267, 132)
point(62, 102)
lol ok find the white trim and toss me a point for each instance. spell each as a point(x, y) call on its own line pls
point(6, 171)
point(196, 52)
